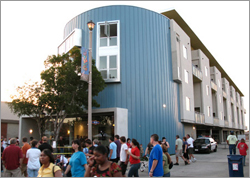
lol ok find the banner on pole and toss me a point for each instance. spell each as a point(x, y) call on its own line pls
point(85, 64)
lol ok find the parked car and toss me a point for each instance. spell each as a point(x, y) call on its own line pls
point(205, 144)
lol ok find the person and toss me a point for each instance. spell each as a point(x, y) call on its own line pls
point(78, 161)
point(31, 138)
point(17, 141)
point(118, 144)
point(165, 142)
point(112, 148)
point(33, 155)
point(166, 160)
point(123, 155)
point(128, 142)
point(5, 143)
point(141, 150)
point(62, 162)
point(85, 149)
point(45, 145)
point(148, 149)
point(190, 142)
point(178, 150)
point(91, 148)
point(242, 146)
point(12, 160)
point(95, 142)
point(155, 167)
point(60, 143)
point(100, 166)
point(48, 168)
point(134, 159)
point(185, 149)
point(232, 141)
point(25, 148)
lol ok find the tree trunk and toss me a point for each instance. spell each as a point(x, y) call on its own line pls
point(39, 128)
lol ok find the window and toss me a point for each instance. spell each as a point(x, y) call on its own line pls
point(184, 52)
point(208, 111)
point(206, 71)
point(207, 90)
point(187, 104)
point(186, 76)
point(108, 50)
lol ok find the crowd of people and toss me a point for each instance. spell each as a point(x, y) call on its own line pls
point(92, 159)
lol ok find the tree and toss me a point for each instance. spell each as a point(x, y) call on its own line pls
point(65, 94)
point(29, 102)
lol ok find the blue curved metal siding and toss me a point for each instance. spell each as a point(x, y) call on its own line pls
point(146, 71)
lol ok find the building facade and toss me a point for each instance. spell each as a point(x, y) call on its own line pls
point(160, 79)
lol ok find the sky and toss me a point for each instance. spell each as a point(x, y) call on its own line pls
point(31, 31)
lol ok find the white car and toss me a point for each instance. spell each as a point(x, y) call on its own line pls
point(205, 144)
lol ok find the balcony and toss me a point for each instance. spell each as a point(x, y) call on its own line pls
point(213, 86)
point(245, 127)
point(232, 100)
point(199, 118)
point(224, 94)
point(197, 74)
point(233, 124)
point(216, 121)
point(226, 123)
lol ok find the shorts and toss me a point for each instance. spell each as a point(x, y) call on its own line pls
point(123, 167)
point(185, 155)
point(190, 150)
point(178, 153)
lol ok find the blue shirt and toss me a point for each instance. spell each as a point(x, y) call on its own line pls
point(113, 146)
point(156, 154)
point(76, 162)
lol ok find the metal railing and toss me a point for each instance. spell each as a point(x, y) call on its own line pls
point(199, 118)
point(213, 86)
point(216, 121)
point(197, 72)
point(224, 94)
point(226, 123)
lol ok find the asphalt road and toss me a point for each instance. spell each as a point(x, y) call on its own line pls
point(207, 165)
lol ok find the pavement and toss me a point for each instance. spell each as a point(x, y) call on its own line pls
point(214, 164)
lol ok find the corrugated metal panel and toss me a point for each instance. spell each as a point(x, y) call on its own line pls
point(146, 71)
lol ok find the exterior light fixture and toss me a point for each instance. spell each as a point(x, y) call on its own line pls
point(193, 127)
point(68, 131)
point(113, 125)
point(31, 131)
point(91, 25)
point(164, 105)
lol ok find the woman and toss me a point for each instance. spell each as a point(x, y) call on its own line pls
point(100, 166)
point(78, 161)
point(166, 160)
point(128, 143)
point(165, 142)
point(185, 149)
point(134, 159)
point(33, 155)
point(48, 168)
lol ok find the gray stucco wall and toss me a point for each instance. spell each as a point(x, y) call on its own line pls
point(12, 130)
point(27, 124)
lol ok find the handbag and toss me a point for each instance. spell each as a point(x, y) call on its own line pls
point(171, 165)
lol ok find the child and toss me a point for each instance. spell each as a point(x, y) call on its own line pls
point(242, 146)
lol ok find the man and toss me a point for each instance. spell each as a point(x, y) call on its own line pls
point(123, 155)
point(178, 150)
point(91, 148)
point(113, 150)
point(12, 160)
point(95, 142)
point(148, 149)
point(232, 141)
point(156, 159)
point(25, 148)
point(60, 143)
point(45, 145)
point(118, 144)
point(190, 142)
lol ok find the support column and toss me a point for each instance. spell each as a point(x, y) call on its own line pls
point(221, 139)
point(211, 132)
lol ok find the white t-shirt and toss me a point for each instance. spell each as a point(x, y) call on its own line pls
point(190, 141)
point(5, 144)
point(124, 147)
point(33, 155)
point(64, 160)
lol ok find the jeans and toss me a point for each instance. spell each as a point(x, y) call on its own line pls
point(33, 172)
point(134, 170)
point(166, 175)
point(232, 148)
point(244, 160)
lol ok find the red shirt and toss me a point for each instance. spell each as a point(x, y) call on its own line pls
point(129, 145)
point(25, 148)
point(12, 155)
point(242, 148)
point(135, 151)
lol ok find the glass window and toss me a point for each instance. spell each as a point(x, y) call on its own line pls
point(113, 41)
point(187, 104)
point(186, 76)
point(104, 74)
point(184, 52)
point(103, 42)
point(102, 31)
point(103, 62)
point(113, 74)
point(112, 61)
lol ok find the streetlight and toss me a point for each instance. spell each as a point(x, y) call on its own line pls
point(91, 26)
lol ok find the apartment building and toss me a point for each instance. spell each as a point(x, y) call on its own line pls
point(211, 104)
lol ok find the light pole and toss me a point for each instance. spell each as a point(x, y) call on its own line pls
point(91, 27)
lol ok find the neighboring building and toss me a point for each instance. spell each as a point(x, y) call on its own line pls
point(160, 78)
point(9, 122)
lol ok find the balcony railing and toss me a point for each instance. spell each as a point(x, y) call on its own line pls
point(197, 72)
point(226, 123)
point(224, 94)
point(199, 118)
point(213, 86)
point(216, 121)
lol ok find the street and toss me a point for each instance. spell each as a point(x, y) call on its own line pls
point(214, 164)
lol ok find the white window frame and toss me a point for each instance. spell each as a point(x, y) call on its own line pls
point(186, 73)
point(109, 50)
point(188, 102)
point(185, 52)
